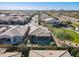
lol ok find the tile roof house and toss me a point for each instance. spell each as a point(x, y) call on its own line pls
point(11, 54)
point(49, 53)
point(41, 35)
point(3, 53)
point(13, 35)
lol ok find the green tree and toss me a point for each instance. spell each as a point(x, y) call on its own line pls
point(73, 52)
point(25, 51)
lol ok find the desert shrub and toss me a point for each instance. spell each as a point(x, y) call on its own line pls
point(77, 55)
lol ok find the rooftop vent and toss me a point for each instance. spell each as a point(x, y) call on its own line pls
point(50, 53)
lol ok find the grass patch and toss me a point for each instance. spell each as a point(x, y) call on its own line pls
point(65, 34)
point(76, 24)
point(74, 35)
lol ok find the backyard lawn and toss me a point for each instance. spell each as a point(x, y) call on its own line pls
point(76, 24)
point(65, 34)
point(74, 35)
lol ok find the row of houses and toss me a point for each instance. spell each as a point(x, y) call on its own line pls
point(15, 34)
point(36, 53)
point(38, 34)
point(13, 18)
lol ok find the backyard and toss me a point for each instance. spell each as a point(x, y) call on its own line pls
point(76, 24)
point(62, 33)
point(65, 34)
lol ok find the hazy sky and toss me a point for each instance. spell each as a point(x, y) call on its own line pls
point(39, 5)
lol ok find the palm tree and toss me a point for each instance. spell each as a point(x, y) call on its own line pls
point(39, 18)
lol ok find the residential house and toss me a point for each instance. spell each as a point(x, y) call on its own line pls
point(49, 53)
point(40, 35)
point(3, 53)
point(14, 35)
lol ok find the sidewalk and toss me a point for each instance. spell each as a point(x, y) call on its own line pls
point(56, 40)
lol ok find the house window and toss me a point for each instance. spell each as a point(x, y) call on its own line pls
point(5, 39)
point(8, 39)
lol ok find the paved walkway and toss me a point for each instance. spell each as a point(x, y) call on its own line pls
point(56, 40)
point(72, 44)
